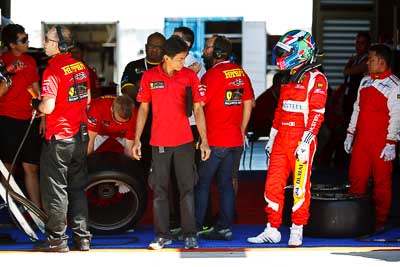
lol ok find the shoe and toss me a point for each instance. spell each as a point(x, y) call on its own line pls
point(214, 234)
point(81, 244)
point(53, 245)
point(159, 243)
point(296, 235)
point(204, 229)
point(191, 242)
point(177, 234)
point(270, 235)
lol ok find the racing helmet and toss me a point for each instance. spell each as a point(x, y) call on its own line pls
point(294, 48)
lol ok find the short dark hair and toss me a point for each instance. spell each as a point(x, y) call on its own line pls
point(222, 46)
point(123, 105)
point(155, 35)
point(187, 34)
point(9, 34)
point(382, 51)
point(364, 34)
point(175, 45)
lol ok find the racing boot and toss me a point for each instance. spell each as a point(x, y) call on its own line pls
point(296, 235)
point(270, 235)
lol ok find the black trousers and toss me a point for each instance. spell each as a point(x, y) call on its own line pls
point(63, 177)
point(182, 158)
point(174, 199)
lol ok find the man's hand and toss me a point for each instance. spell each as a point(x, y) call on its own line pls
point(270, 143)
point(136, 150)
point(35, 104)
point(42, 127)
point(388, 152)
point(302, 152)
point(196, 66)
point(348, 143)
point(205, 151)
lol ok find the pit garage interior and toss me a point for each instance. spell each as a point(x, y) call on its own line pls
point(335, 23)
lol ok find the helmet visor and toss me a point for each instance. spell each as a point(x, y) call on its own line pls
point(282, 50)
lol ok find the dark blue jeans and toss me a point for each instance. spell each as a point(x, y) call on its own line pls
point(219, 164)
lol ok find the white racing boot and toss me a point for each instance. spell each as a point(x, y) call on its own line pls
point(296, 236)
point(270, 235)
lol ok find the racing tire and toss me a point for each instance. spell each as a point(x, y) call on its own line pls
point(112, 212)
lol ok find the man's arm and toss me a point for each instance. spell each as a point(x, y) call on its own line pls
point(247, 107)
point(140, 122)
point(129, 147)
point(352, 68)
point(92, 137)
point(201, 127)
point(393, 105)
point(47, 105)
point(3, 87)
point(351, 128)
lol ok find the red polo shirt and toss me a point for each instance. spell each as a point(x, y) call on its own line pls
point(70, 110)
point(170, 125)
point(227, 87)
point(101, 121)
point(16, 103)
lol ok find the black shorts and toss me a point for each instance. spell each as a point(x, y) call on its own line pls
point(12, 132)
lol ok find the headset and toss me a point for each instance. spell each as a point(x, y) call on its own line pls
point(222, 47)
point(62, 44)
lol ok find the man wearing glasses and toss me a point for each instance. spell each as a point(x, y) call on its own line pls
point(112, 117)
point(15, 108)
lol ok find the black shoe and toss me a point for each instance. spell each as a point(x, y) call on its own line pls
point(82, 244)
point(177, 234)
point(54, 245)
point(159, 243)
point(191, 242)
point(223, 234)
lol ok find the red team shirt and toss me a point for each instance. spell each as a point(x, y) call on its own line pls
point(16, 103)
point(101, 121)
point(170, 125)
point(70, 110)
point(227, 87)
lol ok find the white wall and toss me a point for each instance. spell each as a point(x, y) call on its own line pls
point(139, 18)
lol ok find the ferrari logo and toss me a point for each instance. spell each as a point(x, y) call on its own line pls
point(71, 91)
point(229, 95)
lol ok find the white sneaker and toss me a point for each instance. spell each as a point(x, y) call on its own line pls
point(296, 235)
point(270, 235)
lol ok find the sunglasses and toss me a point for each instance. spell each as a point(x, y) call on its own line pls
point(22, 40)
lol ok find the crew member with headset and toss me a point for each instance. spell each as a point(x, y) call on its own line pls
point(63, 169)
point(228, 102)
